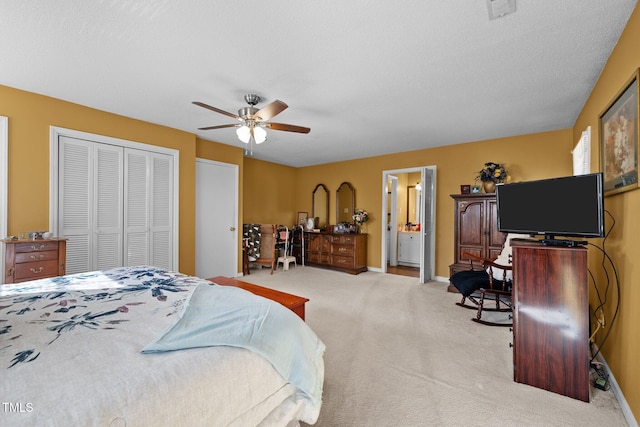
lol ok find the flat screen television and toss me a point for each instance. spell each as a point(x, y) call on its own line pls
point(571, 206)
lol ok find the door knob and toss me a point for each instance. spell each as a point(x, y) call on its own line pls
point(232, 229)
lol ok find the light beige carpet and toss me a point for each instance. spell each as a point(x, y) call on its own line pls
point(403, 354)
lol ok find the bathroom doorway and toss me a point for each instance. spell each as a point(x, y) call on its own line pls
point(409, 243)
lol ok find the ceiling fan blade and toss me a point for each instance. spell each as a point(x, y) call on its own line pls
point(217, 110)
point(218, 127)
point(271, 110)
point(288, 128)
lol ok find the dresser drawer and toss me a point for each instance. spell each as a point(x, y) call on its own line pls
point(36, 246)
point(342, 261)
point(343, 250)
point(36, 270)
point(22, 257)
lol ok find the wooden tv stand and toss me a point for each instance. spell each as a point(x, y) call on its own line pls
point(551, 318)
point(292, 302)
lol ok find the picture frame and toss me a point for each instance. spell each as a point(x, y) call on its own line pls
point(619, 139)
point(465, 189)
point(302, 218)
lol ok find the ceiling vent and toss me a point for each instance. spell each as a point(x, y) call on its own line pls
point(500, 8)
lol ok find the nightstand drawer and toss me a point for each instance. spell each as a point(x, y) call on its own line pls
point(23, 257)
point(36, 270)
point(37, 246)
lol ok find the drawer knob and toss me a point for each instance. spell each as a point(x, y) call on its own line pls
point(38, 248)
point(36, 270)
point(38, 257)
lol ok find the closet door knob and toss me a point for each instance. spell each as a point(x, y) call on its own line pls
point(232, 229)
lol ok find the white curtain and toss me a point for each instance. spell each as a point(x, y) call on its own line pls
point(582, 154)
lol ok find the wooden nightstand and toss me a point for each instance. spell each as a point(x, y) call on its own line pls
point(34, 259)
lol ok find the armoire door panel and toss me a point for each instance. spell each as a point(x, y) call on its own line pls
point(471, 224)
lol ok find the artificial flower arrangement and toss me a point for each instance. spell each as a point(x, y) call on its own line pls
point(360, 216)
point(493, 172)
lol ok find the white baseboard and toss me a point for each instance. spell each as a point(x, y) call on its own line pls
point(615, 388)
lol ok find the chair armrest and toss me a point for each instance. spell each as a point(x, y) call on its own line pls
point(471, 257)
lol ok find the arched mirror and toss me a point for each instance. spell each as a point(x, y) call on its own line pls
point(345, 203)
point(320, 205)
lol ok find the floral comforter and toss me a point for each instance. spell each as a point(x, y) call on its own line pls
point(70, 355)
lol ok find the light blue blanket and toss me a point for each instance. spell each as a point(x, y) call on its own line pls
point(223, 315)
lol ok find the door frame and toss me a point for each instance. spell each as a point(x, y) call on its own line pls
point(4, 183)
point(430, 231)
point(56, 132)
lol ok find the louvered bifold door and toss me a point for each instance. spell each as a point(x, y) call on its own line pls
point(149, 208)
point(74, 200)
point(90, 204)
point(161, 215)
point(136, 215)
point(108, 164)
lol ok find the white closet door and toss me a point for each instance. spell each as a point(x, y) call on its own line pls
point(136, 215)
point(117, 202)
point(161, 215)
point(74, 202)
point(107, 206)
point(90, 204)
point(149, 208)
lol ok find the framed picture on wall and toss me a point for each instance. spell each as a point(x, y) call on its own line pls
point(619, 139)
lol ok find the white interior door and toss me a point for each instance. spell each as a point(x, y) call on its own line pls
point(427, 219)
point(216, 219)
point(4, 186)
point(392, 228)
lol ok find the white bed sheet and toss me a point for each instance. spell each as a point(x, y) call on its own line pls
point(92, 371)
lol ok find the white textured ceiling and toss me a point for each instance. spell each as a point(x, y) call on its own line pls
point(368, 77)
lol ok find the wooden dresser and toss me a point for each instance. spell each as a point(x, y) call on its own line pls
point(34, 259)
point(346, 252)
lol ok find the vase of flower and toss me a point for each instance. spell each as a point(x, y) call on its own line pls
point(360, 217)
point(489, 187)
point(491, 174)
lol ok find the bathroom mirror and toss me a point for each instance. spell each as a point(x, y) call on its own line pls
point(320, 205)
point(345, 203)
point(413, 204)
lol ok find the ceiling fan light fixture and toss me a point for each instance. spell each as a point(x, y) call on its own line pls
point(259, 134)
point(244, 134)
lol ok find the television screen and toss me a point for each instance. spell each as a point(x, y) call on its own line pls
point(571, 206)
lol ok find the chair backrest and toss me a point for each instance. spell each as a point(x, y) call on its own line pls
point(505, 258)
point(268, 242)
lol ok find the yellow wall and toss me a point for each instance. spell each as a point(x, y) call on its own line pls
point(269, 193)
point(622, 347)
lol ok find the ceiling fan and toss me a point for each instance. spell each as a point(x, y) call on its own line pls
point(252, 121)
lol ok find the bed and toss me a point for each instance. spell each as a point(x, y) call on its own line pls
point(141, 346)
